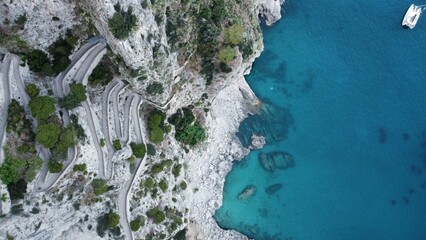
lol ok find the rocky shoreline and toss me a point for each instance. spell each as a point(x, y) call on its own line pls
point(208, 166)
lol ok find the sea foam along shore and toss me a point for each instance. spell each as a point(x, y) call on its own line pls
point(209, 165)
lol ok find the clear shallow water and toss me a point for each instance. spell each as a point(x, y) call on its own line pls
point(354, 82)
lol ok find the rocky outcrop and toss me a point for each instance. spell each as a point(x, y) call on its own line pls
point(270, 10)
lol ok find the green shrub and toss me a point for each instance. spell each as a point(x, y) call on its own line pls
point(183, 185)
point(155, 88)
point(32, 90)
point(227, 54)
point(191, 135)
point(47, 134)
point(156, 215)
point(139, 150)
point(135, 225)
point(21, 19)
point(99, 186)
point(150, 149)
point(55, 166)
point(149, 183)
point(176, 170)
point(42, 106)
point(102, 142)
point(75, 97)
point(122, 23)
point(80, 167)
point(116, 144)
point(163, 185)
point(113, 220)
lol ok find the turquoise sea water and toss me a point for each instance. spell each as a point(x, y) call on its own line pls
point(354, 82)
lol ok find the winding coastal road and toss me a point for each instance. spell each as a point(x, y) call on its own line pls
point(82, 61)
point(123, 197)
point(5, 91)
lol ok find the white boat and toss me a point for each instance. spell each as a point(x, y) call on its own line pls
point(412, 16)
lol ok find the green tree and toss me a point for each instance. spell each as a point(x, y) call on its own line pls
point(113, 219)
point(42, 106)
point(32, 90)
point(116, 144)
point(139, 150)
point(47, 134)
point(135, 225)
point(163, 185)
point(55, 166)
point(156, 135)
point(99, 186)
point(122, 23)
point(156, 215)
point(80, 167)
point(67, 139)
point(76, 96)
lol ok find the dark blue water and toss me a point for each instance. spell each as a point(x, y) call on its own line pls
point(354, 82)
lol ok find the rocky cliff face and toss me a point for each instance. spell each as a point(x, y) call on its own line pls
point(150, 55)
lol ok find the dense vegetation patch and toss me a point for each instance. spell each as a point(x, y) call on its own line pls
point(103, 72)
point(188, 130)
point(156, 127)
point(14, 169)
point(122, 22)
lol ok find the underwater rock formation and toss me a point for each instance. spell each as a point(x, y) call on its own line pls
point(273, 188)
point(272, 122)
point(273, 160)
point(248, 192)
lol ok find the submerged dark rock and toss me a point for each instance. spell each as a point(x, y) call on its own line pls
point(271, 161)
point(273, 188)
point(271, 121)
point(382, 135)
